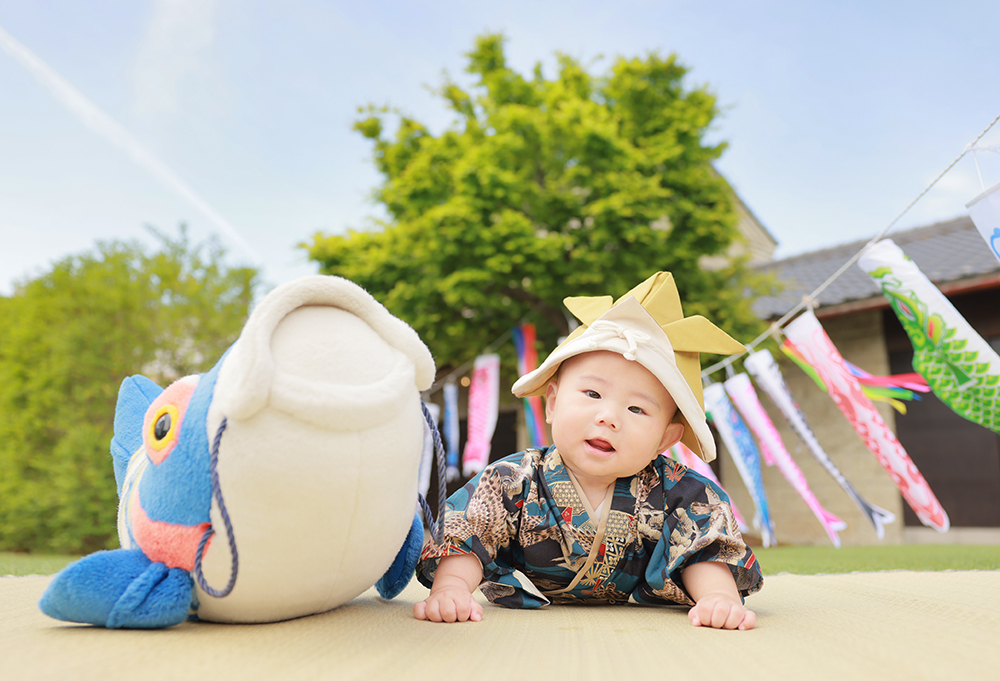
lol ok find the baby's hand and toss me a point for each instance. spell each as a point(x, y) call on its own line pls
point(449, 604)
point(721, 611)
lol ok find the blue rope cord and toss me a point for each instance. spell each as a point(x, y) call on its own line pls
point(217, 495)
point(436, 527)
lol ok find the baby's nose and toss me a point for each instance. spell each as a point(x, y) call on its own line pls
point(608, 418)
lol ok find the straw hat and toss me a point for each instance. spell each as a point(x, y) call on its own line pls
point(646, 325)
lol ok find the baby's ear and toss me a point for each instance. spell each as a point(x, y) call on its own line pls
point(550, 399)
point(672, 435)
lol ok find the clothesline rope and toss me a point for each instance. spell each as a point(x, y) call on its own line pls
point(808, 300)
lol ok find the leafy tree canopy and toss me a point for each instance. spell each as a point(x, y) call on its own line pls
point(67, 339)
point(544, 188)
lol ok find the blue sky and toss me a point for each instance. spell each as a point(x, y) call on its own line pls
point(235, 117)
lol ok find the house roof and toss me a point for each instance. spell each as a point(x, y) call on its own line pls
point(946, 252)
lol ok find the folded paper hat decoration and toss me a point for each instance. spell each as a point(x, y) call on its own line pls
point(646, 325)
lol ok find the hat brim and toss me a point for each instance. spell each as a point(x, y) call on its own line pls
point(679, 372)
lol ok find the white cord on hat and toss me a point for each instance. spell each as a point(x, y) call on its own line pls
point(604, 330)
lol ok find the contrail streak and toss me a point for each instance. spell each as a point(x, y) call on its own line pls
point(98, 121)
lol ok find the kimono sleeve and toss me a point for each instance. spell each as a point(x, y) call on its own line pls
point(481, 519)
point(699, 526)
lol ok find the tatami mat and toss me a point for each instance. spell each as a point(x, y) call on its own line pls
point(884, 625)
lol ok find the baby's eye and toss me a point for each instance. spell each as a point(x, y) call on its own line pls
point(637, 410)
point(592, 394)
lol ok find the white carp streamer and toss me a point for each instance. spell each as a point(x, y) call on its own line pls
point(767, 375)
point(741, 392)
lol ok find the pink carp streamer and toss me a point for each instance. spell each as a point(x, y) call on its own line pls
point(527, 361)
point(484, 404)
point(680, 453)
point(767, 375)
point(889, 389)
point(745, 454)
point(773, 449)
point(814, 346)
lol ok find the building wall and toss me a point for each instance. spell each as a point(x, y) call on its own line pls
point(859, 338)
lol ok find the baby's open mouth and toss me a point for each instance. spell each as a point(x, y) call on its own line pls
point(602, 445)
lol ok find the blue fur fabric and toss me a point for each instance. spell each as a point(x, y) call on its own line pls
point(134, 397)
point(401, 571)
point(120, 589)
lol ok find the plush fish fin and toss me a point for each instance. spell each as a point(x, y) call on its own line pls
point(401, 571)
point(134, 397)
point(120, 589)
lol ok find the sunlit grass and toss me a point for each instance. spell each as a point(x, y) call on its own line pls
point(800, 560)
point(32, 563)
point(812, 560)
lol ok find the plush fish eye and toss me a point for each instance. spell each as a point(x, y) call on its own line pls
point(161, 431)
point(162, 427)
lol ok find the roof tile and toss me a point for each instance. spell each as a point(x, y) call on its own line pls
point(945, 251)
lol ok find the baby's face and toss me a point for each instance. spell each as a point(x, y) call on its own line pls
point(610, 416)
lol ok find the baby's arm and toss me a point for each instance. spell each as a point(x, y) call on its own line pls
point(717, 600)
point(451, 598)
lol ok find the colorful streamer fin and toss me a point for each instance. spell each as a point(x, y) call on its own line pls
point(680, 453)
point(960, 367)
point(527, 361)
point(745, 454)
point(484, 405)
point(889, 389)
point(451, 430)
point(741, 392)
point(767, 375)
point(815, 347)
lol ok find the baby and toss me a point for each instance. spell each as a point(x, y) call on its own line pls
point(600, 515)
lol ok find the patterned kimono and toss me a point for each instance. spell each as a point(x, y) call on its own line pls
point(532, 528)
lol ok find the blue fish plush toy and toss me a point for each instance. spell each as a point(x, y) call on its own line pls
point(281, 483)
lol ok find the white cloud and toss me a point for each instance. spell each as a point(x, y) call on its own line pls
point(173, 53)
point(106, 127)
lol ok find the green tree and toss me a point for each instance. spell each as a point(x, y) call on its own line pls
point(542, 189)
point(67, 339)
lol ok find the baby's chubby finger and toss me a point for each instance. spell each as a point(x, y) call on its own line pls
point(446, 607)
point(749, 621)
point(700, 615)
point(467, 610)
point(722, 615)
point(446, 610)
